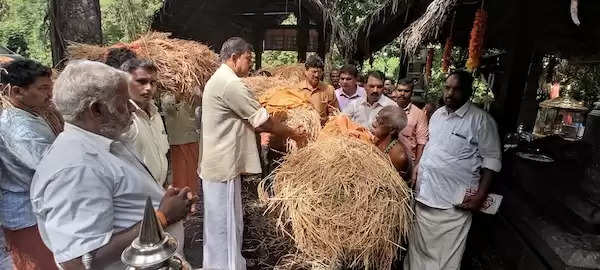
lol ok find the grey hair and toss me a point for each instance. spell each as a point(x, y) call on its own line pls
point(234, 45)
point(393, 117)
point(83, 83)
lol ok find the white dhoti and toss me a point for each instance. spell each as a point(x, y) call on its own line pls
point(223, 225)
point(438, 238)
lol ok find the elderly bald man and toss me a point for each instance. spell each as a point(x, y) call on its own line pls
point(89, 190)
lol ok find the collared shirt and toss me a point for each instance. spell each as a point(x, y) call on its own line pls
point(82, 198)
point(322, 98)
point(364, 114)
point(344, 99)
point(460, 144)
point(148, 136)
point(180, 120)
point(230, 113)
point(24, 138)
point(416, 131)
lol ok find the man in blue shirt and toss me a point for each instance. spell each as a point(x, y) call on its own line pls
point(26, 90)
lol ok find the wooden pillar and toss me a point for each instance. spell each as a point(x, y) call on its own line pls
point(529, 104)
point(302, 36)
point(322, 46)
point(258, 49)
point(512, 83)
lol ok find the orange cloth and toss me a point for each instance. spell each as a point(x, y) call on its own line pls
point(342, 125)
point(184, 160)
point(28, 251)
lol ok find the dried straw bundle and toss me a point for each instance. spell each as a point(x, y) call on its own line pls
point(184, 66)
point(293, 73)
point(80, 51)
point(260, 84)
point(428, 27)
point(342, 211)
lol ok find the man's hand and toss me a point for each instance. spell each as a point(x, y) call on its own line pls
point(175, 204)
point(473, 202)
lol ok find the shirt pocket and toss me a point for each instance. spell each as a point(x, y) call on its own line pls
point(461, 146)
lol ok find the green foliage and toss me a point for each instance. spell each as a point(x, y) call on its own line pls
point(481, 95)
point(277, 58)
point(383, 62)
point(125, 20)
point(24, 29)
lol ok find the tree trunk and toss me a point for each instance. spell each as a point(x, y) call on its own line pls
point(73, 21)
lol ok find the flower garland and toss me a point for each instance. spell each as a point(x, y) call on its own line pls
point(448, 46)
point(447, 54)
point(429, 64)
point(477, 39)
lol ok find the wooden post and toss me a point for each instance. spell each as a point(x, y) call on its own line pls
point(322, 46)
point(73, 20)
point(513, 81)
point(258, 49)
point(529, 104)
point(302, 36)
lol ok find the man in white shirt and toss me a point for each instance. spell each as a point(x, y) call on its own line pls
point(364, 109)
point(463, 153)
point(147, 133)
point(349, 89)
point(89, 190)
point(231, 116)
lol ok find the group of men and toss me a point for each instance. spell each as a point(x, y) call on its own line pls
point(74, 198)
point(456, 150)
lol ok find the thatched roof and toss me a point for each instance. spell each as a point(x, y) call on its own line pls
point(212, 22)
point(547, 24)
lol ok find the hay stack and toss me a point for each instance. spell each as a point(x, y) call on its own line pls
point(86, 51)
point(294, 72)
point(343, 203)
point(184, 66)
point(260, 84)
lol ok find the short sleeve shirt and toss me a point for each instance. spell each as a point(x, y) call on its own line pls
point(322, 98)
point(82, 198)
